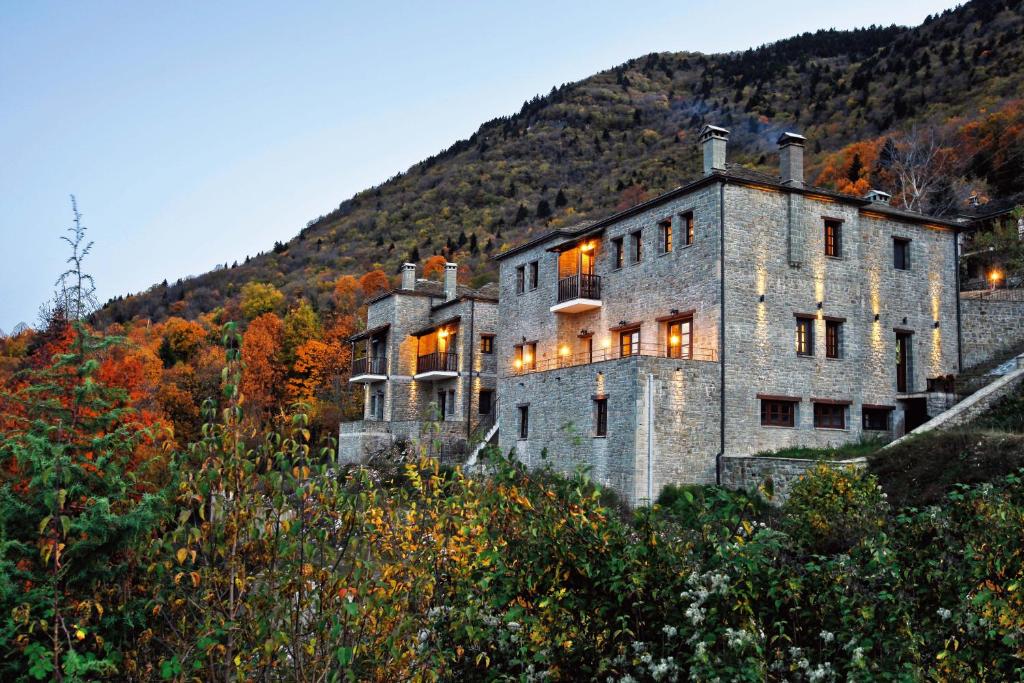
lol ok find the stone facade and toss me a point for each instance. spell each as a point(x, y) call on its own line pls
point(756, 263)
point(773, 475)
point(427, 342)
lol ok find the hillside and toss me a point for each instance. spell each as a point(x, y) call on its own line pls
point(630, 132)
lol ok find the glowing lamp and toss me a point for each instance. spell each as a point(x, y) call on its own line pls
point(519, 364)
point(675, 340)
point(442, 333)
point(564, 350)
point(527, 358)
point(587, 246)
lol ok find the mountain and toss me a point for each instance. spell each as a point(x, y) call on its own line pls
point(629, 132)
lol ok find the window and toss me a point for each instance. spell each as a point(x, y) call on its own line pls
point(619, 252)
point(679, 335)
point(778, 412)
point(526, 356)
point(900, 253)
point(442, 404)
point(629, 343)
point(876, 418)
point(534, 274)
point(486, 343)
point(804, 336)
point(377, 405)
point(833, 238)
point(688, 228)
point(601, 416)
point(637, 242)
point(486, 402)
point(829, 416)
point(520, 279)
point(451, 402)
point(665, 227)
point(524, 422)
point(833, 339)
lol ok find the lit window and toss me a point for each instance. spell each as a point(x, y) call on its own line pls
point(833, 339)
point(680, 338)
point(804, 336)
point(666, 236)
point(638, 251)
point(688, 227)
point(629, 343)
point(526, 356)
point(619, 252)
point(833, 238)
point(534, 274)
point(486, 343)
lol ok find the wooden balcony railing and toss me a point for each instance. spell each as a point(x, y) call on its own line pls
point(369, 366)
point(615, 353)
point(437, 362)
point(580, 286)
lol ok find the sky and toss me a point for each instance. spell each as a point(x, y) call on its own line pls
point(195, 133)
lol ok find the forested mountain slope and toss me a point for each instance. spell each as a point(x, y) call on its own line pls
point(627, 133)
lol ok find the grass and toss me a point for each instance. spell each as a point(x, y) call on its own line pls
point(844, 452)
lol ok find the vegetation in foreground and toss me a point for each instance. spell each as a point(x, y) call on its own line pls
point(248, 555)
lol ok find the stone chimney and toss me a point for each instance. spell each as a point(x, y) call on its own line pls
point(409, 276)
point(879, 196)
point(791, 159)
point(713, 139)
point(451, 287)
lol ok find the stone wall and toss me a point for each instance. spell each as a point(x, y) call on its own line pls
point(775, 247)
point(776, 475)
point(989, 326)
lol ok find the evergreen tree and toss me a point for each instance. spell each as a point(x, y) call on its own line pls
point(543, 209)
point(560, 199)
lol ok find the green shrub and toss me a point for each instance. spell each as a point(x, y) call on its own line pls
point(831, 509)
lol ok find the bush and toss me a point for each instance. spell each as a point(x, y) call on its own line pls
point(830, 510)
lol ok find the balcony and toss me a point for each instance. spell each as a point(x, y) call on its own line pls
point(369, 369)
point(578, 293)
point(437, 365)
point(615, 353)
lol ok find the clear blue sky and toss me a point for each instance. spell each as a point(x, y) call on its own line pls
point(196, 133)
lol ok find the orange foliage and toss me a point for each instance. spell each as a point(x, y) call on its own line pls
point(434, 266)
point(373, 283)
point(261, 351)
point(346, 293)
point(852, 170)
point(182, 337)
point(631, 196)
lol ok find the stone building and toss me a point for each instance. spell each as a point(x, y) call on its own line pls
point(427, 365)
point(738, 313)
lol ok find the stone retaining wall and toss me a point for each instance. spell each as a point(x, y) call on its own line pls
point(749, 473)
point(989, 325)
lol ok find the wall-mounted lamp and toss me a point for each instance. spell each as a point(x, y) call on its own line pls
point(820, 304)
point(673, 311)
point(936, 324)
point(877, 317)
point(622, 323)
point(904, 320)
point(761, 298)
point(524, 340)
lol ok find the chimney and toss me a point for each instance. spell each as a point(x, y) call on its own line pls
point(791, 159)
point(878, 196)
point(451, 271)
point(713, 139)
point(409, 276)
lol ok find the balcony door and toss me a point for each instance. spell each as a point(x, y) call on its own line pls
point(904, 362)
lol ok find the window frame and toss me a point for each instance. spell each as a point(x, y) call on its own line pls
point(636, 244)
point(618, 253)
point(827, 412)
point(785, 414)
point(685, 341)
point(666, 233)
point(868, 410)
point(520, 355)
point(534, 275)
point(901, 245)
point(490, 401)
point(601, 416)
point(524, 421)
point(689, 231)
point(805, 322)
point(833, 241)
point(487, 344)
point(834, 338)
point(634, 344)
point(521, 279)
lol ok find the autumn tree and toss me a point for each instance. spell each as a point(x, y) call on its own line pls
point(261, 357)
point(301, 324)
point(347, 294)
point(373, 283)
point(259, 298)
point(180, 340)
point(434, 266)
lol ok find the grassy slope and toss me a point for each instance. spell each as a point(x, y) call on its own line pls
point(629, 131)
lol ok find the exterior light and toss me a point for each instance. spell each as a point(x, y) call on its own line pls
point(519, 364)
point(674, 311)
point(877, 317)
point(761, 298)
point(820, 304)
point(442, 333)
point(564, 350)
point(527, 358)
point(675, 340)
point(622, 323)
point(936, 324)
point(587, 246)
point(995, 276)
point(904, 320)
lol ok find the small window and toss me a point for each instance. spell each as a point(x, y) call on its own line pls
point(876, 419)
point(601, 416)
point(534, 274)
point(804, 336)
point(377, 405)
point(520, 279)
point(778, 413)
point(900, 253)
point(486, 402)
point(526, 356)
point(629, 343)
point(638, 249)
point(486, 343)
point(829, 416)
point(687, 219)
point(833, 238)
point(833, 339)
point(442, 404)
point(619, 252)
point(665, 227)
point(524, 422)
point(679, 335)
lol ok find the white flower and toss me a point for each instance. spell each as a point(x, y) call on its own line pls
point(944, 613)
point(669, 631)
point(827, 636)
